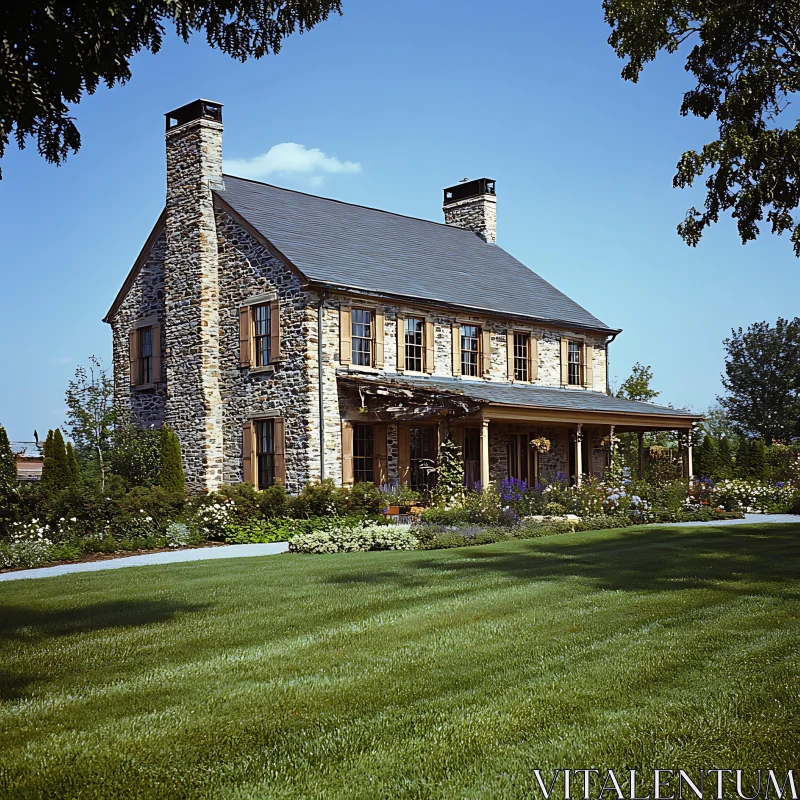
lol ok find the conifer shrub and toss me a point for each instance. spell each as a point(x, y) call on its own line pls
point(56, 472)
point(171, 477)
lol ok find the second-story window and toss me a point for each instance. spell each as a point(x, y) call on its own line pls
point(415, 346)
point(362, 335)
point(261, 334)
point(522, 347)
point(575, 364)
point(470, 350)
point(145, 355)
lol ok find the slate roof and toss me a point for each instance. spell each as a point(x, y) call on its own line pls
point(512, 394)
point(344, 245)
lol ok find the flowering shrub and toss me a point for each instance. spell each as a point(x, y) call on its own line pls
point(214, 517)
point(353, 539)
point(755, 497)
point(29, 545)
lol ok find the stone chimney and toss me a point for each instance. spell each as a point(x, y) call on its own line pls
point(473, 205)
point(191, 288)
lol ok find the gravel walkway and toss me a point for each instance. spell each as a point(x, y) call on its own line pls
point(199, 554)
point(246, 550)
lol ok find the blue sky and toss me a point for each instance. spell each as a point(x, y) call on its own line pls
point(402, 100)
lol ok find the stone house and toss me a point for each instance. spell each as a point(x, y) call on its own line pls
point(287, 337)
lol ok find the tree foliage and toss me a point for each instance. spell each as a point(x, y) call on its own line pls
point(56, 470)
point(8, 466)
point(637, 385)
point(171, 476)
point(136, 455)
point(90, 412)
point(706, 460)
point(54, 53)
point(762, 380)
point(745, 58)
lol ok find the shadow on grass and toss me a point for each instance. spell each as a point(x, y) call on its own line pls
point(20, 622)
point(726, 558)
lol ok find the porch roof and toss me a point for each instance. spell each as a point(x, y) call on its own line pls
point(580, 403)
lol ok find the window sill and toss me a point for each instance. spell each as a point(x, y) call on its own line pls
point(265, 370)
point(369, 370)
point(143, 387)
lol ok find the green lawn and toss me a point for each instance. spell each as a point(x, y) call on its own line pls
point(420, 675)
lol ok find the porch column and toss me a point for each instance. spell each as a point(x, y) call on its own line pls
point(689, 465)
point(641, 453)
point(610, 446)
point(484, 436)
point(579, 454)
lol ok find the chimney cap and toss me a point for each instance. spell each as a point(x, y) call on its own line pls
point(198, 109)
point(464, 190)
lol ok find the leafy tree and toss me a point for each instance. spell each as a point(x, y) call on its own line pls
point(762, 380)
point(725, 458)
point(91, 414)
point(171, 476)
point(745, 57)
point(136, 455)
point(449, 473)
point(54, 53)
point(718, 423)
point(637, 385)
point(56, 473)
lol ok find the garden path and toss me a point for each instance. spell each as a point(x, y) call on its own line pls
point(197, 554)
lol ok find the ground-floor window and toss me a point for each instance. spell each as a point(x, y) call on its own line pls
point(363, 454)
point(422, 458)
point(265, 453)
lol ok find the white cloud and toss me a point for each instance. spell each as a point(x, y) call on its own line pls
point(290, 159)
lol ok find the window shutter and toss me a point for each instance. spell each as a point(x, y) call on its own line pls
point(403, 454)
point(248, 459)
point(486, 352)
point(134, 356)
point(533, 350)
point(345, 332)
point(430, 333)
point(155, 334)
point(279, 434)
point(510, 354)
point(245, 337)
point(456, 348)
point(380, 456)
point(588, 373)
point(380, 320)
point(564, 362)
point(347, 453)
point(401, 343)
point(275, 352)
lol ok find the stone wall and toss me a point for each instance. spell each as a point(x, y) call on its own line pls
point(144, 407)
point(248, 270)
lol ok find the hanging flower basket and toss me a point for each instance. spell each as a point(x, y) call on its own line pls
point(541, 444)
point(607, 442)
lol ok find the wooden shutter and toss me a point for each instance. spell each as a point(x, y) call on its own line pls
point(510, 354)
point(345, 332)
point(401, 343)
point(279, 435)
point(564, 362)
point(533, 350)
point(275, 351)
point(248, 455)
point(403, 453)
point(456, 348)
point(347, 453)
point(133, 347)
point(588, 373)
point(245, 337)
point(155, 339)
point(430, 333)
point(486, 352)
point(380, 456)
point(380, 321)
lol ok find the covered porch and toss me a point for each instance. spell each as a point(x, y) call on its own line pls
point(521, 431)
